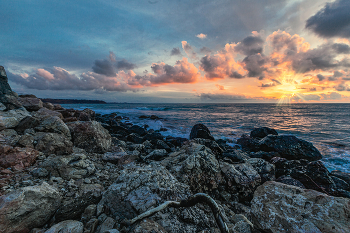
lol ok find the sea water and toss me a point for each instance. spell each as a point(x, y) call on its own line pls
point(325, 125)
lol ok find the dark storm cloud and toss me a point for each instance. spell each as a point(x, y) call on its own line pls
point(254, 64)
point(250, 45)
point(175, 51)
point(320, 77)
point(104, 67)
point(236, 75)
point(333, 20)
point(342, 87)
point(341, 48)
point(125, 65)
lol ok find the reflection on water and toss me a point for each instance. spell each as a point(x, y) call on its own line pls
point(325, 125)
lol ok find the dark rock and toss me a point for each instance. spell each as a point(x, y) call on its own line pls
point(342, 175)
point(264, 155)
point(215, 148)
point(147, 226)
point(26, 141)
point(44, 113)
point(248, 143)
point(290, 181)
point(27, 123)
point(69, 226)
point(90, 136)
point(163, 129)
point(138, 130)
point(143, 117)
point(133, 137)
point(157, 154)
point(200, 131)
point(153, 137)
point(341, 184)
point(53, 143)
point(265, 169)
point(116, 157)
point(234, 156)
point(290, 147)
point(10, 119)
point(154, 117)
point(54, 125)
point(48, 106)
point(176, 141)
point(70, 119)
point(162, 145)
point(40, 172)
point(7, 96)
point(31, 104)
point(58, 107)
point(27, 96)
point(91, 113)
point(262, 132)
point(17, 158)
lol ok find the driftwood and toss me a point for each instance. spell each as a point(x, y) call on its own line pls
point(191, 201)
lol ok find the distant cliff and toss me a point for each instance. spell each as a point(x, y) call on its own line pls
point(73, 101)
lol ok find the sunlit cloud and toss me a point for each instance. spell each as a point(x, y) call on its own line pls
point(201, 36)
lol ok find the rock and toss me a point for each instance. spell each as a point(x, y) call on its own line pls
point(27, 123)
point(157, 154)
point(162, 145)
point(290, 181)
point(7, 97)
point(341, 184)
point(262, 132)
point(248, 143)
point(138, 130)
point(153, 137)
point(53, 143)
point(264, 155)
point(40, 172)
point(278, 207)
point(11, 118)
point(214, 146)
point(89, 213)
point(342, 175)
point(31, 104)
point(242, 179)
point(265, 169)
point(18, 158)
point(73, 207)
point(290, 147)
point(27, 208)
point(108, 224)
point(133, 137)
point(147, 226)
point(196, 166)
point(2, 107)
point(70, 119)
point(54, 125)
point(44, 113)
point(26, 141)
point(140, 188)
point(68, 226)
point(235, 156)
point(116, 157)
point(91, 114)
point(58, 107)
point(48, 106)
point(200, 131)
point(90, 136)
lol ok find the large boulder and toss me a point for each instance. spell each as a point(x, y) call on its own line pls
point(90, 135)
point(11, 118)
point(28, 122)
point(278, 207)
point(17, 158)
point(44, 113)
point(140, 188)
point(27, 208)
point(53, 143)
point(200, 131)
point(54, 125)
point(7, 97)
point(31, 104)
point(262, 132)
point(290, 147)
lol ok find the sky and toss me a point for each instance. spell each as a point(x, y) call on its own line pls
point(178, 51)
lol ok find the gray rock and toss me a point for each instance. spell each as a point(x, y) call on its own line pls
point(157, 154)
point(262, 132)
point(54, 125)
point(90, 135)
point(200, 131)
point(44, 113)
point(31, 104)
point(108, 224)
point(277, 207)
point(27, 208)
point(10, 119)
point(48, 106)
point(265, 169)
point(26, 141)
point(53, 143)
point(146, 226)
point(7, 97)
point(28, 122)
point(69, 226)
point(40, 172)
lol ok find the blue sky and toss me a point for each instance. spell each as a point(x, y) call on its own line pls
point(67, 38)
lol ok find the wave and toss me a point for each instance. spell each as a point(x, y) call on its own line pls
point(154, 108)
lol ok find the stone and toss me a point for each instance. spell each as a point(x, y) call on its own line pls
point(342, 175)
point(108, 224)
point(157, 154)
point(200, 131)
point(262, 132)
point(68, 226)
point(265, 169)
point(40, 172)
point(278, 207)
point(31, 104)
point(26, 141)
point(11, 118)
point(44, 113)
point(290, 147)
point(195, 165)
point(162, 145)
point(147, 226)
point(89, 213)
point(27, 208)
point(90, 136)
point(340, 183)
point(53, 125)
point(115, 157)
point(133, 137)
point(138, 130)
point(48, 106)
point(214, 146)
point(290, 181)
point(242, 179)
point(7, 97)
point(53, 143)
point(27, 123)
point(234, 156)
point(90, 113)
point(16, 157)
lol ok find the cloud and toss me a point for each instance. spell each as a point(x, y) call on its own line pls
point(104, 67)
point(205, 50)
point(306, 97)
point(341, 48)
point(125, 65)
point(342, 87)
point(189, 50)
point(220, 87)
point(222, 97)
point(250, 45)
point(175, 51)
point(201, 36)
point(331, 96)
point(320, 77)
point(332, 20)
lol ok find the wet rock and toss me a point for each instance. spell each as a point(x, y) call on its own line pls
point(27, 208)
point(68, 226)
point(17, 158)
point(264, 155)
point(265, 169)
point(54, 125)
point(214, 146)
point(157, 154)
point(162, 145)
point(195, 165)
point(53, 143)
point(31, 104)
point(290, 147)
point(27, 123)
point(277, 207)
point(200, 131)
point(10, 119)
point(241, 178)
point(342, 175)
point(262, 132)
point(340, 183)
point(133, 137)
point(153, 137)
point(44, 113)
point(138, 130)
point(235, 156)
point(90, 136)
point(290, 181)
point(248, 143)
point(147, 226)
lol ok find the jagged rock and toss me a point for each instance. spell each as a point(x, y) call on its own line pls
point(241, 178)
point(91, 114)
point(138, 130)
point(235, 156)
point(44, 113)
point(153, 137)
point(68, 226)
point(27, 208)
point(200, 131)
point(54, 125)
point(162, 145)
point(157, 154)
point(115, 157)
point(10, 136)
point(290, 181)
point(265, 169)
point(214, 146)
point(48, 106)
point(133, 137)
point(27, 123)
point(340, 183)
point(17, 158)
point(53, 143)
point(40, 172)
point(90, 136)
point(264, 155)
point(278, 207)
point(262, 132)
point(11, 118)
point(248, 143)
point(26, 141)
point(140, 188)
point(7, 97)
point(290, 147)
point(196, 166)
point(74, 166)
point(342, 175)
point(2, 107)
point(147, 226)
point(31, 104)
point(89, 213)
point(108, 224)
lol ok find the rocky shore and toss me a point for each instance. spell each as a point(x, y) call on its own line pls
point(65, 170)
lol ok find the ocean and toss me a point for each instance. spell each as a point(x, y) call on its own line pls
point(325, 125)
